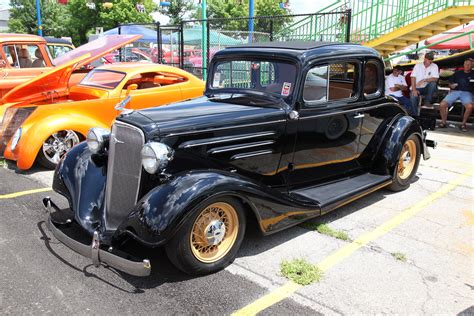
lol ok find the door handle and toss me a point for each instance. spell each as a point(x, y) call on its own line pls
point(359, 115)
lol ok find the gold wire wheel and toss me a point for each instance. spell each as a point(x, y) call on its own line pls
point(214, 232)
point(407, 159)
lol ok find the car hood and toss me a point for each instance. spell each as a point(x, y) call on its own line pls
point(51, 84)
point(201, 114)
point(96, 48)
point(54, 83)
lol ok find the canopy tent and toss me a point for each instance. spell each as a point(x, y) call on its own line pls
point(193, 36)
point(457, 43)
point(148, 34)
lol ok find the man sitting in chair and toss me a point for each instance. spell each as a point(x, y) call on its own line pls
point(424, 81)
point(462, 88)
point(394, 85)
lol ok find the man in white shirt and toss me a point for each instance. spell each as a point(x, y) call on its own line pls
point(394, 85)
point(424, 80)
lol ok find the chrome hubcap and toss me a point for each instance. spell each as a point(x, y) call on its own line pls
point(215, 232)
point(58, 144)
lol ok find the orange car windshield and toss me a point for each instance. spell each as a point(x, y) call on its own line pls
point(105, 79)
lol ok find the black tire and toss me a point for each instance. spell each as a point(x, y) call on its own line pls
point(182, 248)
point(402, 177)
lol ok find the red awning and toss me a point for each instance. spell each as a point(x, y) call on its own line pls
point(457, 43)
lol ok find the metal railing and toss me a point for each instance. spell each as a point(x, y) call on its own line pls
point(371, 19)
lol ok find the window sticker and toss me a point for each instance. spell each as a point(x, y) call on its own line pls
point(285, 90)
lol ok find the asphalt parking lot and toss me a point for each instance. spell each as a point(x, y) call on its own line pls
point(429, 228)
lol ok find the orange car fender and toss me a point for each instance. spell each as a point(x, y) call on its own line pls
point(33, 138)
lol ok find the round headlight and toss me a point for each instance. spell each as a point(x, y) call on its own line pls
point(155, 156)
point(97, 139)
point(15, 139)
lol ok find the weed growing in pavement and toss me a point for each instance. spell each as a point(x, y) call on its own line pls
point(300, 271)
point(326, 230)
point(399, 256)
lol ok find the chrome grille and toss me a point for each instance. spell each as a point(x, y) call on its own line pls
point(123, 172)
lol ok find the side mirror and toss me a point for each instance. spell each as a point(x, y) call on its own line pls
point(131, 87)
point(122, 104)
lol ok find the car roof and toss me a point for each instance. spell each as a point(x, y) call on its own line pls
point(300, 49)
point(55, 40)
point(11, 37)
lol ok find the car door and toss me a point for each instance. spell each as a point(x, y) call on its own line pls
point(328, 127)
point(375, 115)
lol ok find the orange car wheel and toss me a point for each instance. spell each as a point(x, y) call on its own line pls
point(55, 146)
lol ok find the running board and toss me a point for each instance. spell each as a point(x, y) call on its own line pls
point(336, 194)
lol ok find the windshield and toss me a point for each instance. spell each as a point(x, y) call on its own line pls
point(105, 79)
point(269, 76)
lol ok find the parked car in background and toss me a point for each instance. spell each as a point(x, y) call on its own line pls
point(58, 46)
point(45, 117)
point(23, 57)
point(284, 133)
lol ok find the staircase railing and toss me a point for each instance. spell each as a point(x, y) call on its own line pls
point(370, 18)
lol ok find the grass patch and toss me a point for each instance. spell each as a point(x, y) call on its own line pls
point(399, 256)
point(3, 163)
point(326, 230)
point(300, 271)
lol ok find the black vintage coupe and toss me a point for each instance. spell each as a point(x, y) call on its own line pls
point(285, 132)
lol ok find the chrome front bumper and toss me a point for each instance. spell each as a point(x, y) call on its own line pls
point(94, 252)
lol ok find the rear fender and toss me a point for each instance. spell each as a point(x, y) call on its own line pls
point(395, 136)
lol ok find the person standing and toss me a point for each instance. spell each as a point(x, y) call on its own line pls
point(394, 85)
point(462, 88)
point(424, 81)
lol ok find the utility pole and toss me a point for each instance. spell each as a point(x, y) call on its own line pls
point(204, 39)
point(38, 14)
point(251, 15)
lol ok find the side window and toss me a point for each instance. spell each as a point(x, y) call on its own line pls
point(24, 56)
point(267, 73)
point(372, 80)
point(330, 82)
point(148, 80)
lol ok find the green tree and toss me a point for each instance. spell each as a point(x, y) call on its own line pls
point(87, 15)
point(231, 9)
point(178, 10)
point(125, 11)
point(23, 18)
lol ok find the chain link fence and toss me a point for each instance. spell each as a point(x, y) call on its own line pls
point(192, 44)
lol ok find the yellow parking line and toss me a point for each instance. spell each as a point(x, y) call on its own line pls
point(287, 289)
point(17, 194)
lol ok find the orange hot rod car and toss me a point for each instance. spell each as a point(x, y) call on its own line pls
point(44, 118)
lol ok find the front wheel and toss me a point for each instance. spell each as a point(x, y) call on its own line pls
point(209, 240)
point(407, 164)
point(55, 146)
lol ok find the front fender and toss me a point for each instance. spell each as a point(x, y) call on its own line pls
point(81, 178)
point(35, 133)
point(395, 136)
point(162, 211)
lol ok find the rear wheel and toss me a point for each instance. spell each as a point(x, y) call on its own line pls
point(407, 164)
point(209, 240)
point(55, 146)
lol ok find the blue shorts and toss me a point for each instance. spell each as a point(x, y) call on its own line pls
point(464, 96)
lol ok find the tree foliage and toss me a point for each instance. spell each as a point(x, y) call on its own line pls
point(23, 17)
point(178, 10)
point(231, 9)
point(77, 19)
